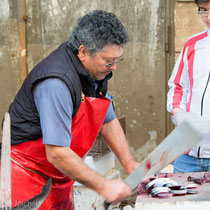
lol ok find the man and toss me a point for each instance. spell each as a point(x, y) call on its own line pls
point(189, 90)
point(59, 110)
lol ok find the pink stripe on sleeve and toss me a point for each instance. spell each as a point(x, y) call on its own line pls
point(178, 93)
point(190, 58)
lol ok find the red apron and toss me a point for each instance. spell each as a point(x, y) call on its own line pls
point(26, 184)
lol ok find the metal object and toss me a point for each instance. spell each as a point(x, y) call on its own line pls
point(161, 188)
point(158, 190)
point(178, 192)
point(206, 176)
point(156, 181)
point(164, 195)
point(35, 202)
point(168, 150)
point(164, 183)
point(191, 186)
point(193, 191)
point(195, 180)
point(5, 181)
point(173, 185)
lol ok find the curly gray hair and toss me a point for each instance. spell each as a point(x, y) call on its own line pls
point(97, 29)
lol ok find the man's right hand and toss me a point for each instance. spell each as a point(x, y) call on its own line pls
point(175, 117)
point(114, 191)
point(175, 110)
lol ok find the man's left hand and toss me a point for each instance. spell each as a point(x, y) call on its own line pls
point(131, 165)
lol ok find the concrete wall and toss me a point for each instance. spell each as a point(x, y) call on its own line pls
point(9, 54)
point(138, 85)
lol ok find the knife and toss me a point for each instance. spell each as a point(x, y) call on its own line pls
point(178, 142)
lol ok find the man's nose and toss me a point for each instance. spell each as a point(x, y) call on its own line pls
point(113, 67)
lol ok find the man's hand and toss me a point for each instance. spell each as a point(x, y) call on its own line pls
point(173, 113)
point(114, 136)
point(175, 110)
point(114, 191)
point(131, 165)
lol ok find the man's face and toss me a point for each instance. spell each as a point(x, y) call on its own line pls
point(98, 64)
point(206, 14)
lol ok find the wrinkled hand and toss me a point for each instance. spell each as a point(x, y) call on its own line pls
point(114, 191)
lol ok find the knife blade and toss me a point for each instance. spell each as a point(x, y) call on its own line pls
point(178, 142)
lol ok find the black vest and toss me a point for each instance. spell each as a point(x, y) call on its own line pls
point(63, 64)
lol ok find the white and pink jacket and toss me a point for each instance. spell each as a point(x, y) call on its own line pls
point(189, 84)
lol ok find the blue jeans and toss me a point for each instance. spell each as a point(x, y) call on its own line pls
point(188, 163)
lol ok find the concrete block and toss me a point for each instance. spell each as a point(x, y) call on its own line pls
point(182, 205)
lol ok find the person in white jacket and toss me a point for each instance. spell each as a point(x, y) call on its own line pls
point(189, 90)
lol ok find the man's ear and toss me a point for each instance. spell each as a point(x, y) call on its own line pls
point(82, 53)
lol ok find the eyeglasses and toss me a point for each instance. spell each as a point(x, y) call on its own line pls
point(113, 63)
point(203, 13)
point(116, 62)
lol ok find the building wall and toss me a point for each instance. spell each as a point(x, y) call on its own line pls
point(9, 54)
